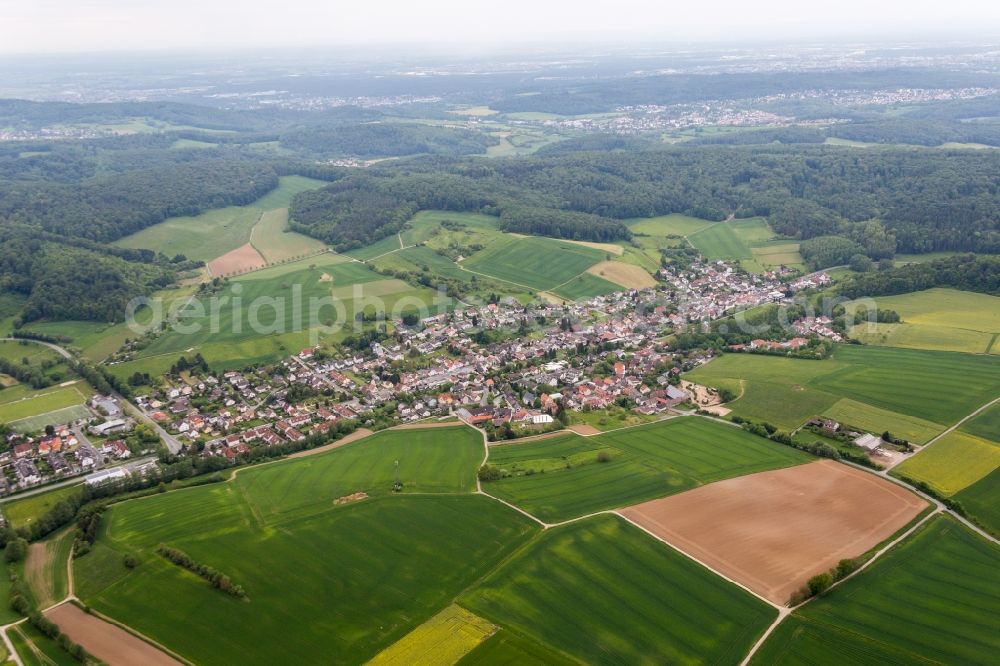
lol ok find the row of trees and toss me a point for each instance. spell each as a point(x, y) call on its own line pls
point(966, 272)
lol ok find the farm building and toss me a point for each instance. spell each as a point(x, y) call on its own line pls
point(868, 442)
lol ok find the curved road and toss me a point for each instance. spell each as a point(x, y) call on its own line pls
point(169, 440)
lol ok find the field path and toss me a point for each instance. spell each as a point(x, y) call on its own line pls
point(947, 431)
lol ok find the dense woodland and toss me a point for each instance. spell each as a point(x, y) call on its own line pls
point(63, 201)
point(373, 140)
point(966, 272)
point(884, 200)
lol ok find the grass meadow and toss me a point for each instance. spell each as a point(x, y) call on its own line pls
point(981, 500)
point(932, 599)
point(560, 478)
point(213, 233)
point(534, 262)
point(22, 512)
point(506, 648)
point(336, 583)
point(43, 401)
point(603, 591)
point(940, 319)
point(986, 424)
point(935, 387)
point(874, 419)
point(283, 328)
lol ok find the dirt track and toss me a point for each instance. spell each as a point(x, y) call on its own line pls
point(106, 641)
point(772, 531)
point(360, 433)
point(36, 571)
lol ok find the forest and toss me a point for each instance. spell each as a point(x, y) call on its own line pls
point(965, 272)
point(373, 140)
point(885, 200)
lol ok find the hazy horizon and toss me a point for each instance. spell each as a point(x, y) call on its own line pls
point(54, 27)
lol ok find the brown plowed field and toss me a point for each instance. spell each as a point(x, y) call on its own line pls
point(243, 258)
point(773, 531)
point(105, 641)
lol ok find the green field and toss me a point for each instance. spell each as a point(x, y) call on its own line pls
point(435, 460)
point(44, 401)
point(55, 417)
point(986, 424)
point(720, 241)
point(507, 648)
point(561, 478)
point(942, 319)
point(97, 340)
point(215, 232)
point(604, 592)
point(937, 387)
point(417, 258)
point(534, 262)
point(22, 512)
point(674, 224)
point(427, 227)
point(283, 328)
point(953, 463)
point(873, 419)
point(586, 286)
point(387, 244)
point(272, 238)
point(331, 583)
point(932, 599)
point(981, 500)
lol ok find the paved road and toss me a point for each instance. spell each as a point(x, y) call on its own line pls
point(169, 440)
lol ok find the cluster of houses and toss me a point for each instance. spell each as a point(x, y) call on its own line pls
point(581, 356)
point(65, 450)
point(709, 290)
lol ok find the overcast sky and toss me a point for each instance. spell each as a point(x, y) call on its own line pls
point(41, 26)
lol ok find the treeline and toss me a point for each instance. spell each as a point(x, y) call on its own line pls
point(966, 272)
point(109, 208)
point(215, 578)
point(905, 131)
point(372, 140)
point(563, 224)
point(31, 374)
point(922, 201)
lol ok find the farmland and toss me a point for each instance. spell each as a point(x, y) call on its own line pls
point(736, 526)
point(915, 604)
point(44, 401)
point(276, 243)
point(281, 327)
point(955, 462)
point(535, 262)
point(942, 319)
point(506, 647)
point(561, 478)
point(215, 232)
point(720, 241)
point(981, 500)
point(430, 461)
point(446, 637)
point(22, 512)
point(874, 419)
point(337, 582)
point(986, 424)
point(896, 380)
point(640, 598)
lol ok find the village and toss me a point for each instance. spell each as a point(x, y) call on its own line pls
point(503, 367)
